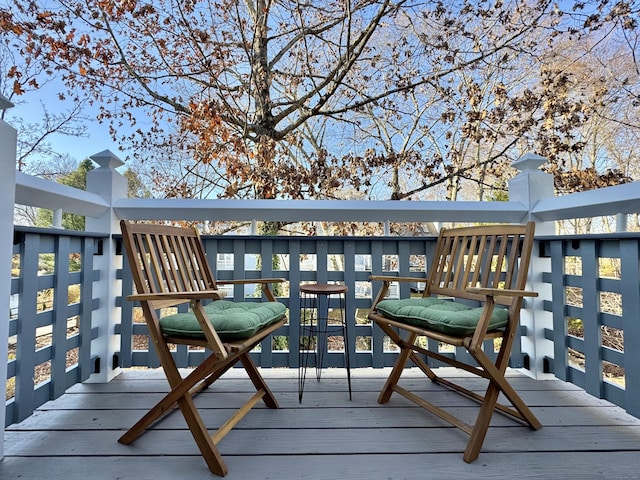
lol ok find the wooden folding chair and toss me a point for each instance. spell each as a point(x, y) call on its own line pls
point(472, 299)
point(169, 267)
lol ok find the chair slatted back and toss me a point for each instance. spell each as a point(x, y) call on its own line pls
point(167, 259)
point(495, 256)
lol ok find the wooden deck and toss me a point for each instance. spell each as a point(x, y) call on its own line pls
point(325, 437)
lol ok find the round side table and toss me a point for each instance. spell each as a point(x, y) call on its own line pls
point(315, 329)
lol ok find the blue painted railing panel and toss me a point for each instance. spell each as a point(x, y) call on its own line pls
point(608, 273)
point(41, 308)
point(309, 259)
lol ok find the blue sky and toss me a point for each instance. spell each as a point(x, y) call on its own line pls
point(29, 107)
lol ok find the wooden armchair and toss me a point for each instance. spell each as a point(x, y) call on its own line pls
point(486, 265)
point(169, 268)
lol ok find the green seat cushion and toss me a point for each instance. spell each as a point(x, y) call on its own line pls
point(445, 316)
point(231, 320)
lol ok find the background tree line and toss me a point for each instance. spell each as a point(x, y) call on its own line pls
point(337, 99)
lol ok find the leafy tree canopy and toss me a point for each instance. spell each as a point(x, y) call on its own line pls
point(272, 99)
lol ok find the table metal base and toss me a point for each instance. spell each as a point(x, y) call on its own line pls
point(315, 329)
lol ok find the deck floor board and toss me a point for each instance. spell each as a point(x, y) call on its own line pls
point(325, 437)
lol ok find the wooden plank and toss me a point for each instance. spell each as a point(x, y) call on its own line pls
point(547, 465)
point(330, 380)
point(366, 378)
point(376, 374)
point(333, 441)
point(359, 417)
point(315, 399)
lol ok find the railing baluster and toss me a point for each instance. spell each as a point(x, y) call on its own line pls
point(630, 289)
point(60, 316)
point(27, 313)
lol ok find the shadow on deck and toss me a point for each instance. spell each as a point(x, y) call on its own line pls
point(326, 437)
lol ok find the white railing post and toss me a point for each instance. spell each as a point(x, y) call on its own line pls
point(110, 185)
point(529, 187)
point(57, 218)
point(8, 148)
point(621, 222)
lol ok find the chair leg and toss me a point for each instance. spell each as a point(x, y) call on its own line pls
point(422, 365)
point(502, 385)
point(479, 432)
point(396, 371)
point(497, 384)
point(202, 376)
point(201, 435)
point(198, 429)
point(258, 382)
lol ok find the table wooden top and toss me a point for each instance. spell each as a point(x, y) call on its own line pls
point(323, 288)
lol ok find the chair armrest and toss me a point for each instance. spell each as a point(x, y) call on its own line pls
point(499, 292)
point(386, 282)
point(199, 295)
